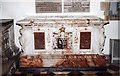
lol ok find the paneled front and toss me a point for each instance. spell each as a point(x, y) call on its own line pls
point(57, 35)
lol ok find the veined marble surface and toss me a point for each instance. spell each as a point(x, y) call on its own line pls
point(34, 20)
point(52, 24)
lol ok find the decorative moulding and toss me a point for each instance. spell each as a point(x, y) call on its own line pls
point(67, 28)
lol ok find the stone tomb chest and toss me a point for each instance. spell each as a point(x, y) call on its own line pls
point(53, 37)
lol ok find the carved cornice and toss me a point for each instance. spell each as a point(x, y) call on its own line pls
point(72, 21)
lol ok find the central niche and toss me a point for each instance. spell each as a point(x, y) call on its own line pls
point(62, 39)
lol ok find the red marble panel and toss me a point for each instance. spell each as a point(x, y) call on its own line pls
point(39, 40)
point(85, 40)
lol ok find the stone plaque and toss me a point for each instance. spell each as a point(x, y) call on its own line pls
point(48, 6)
point(76, 6)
